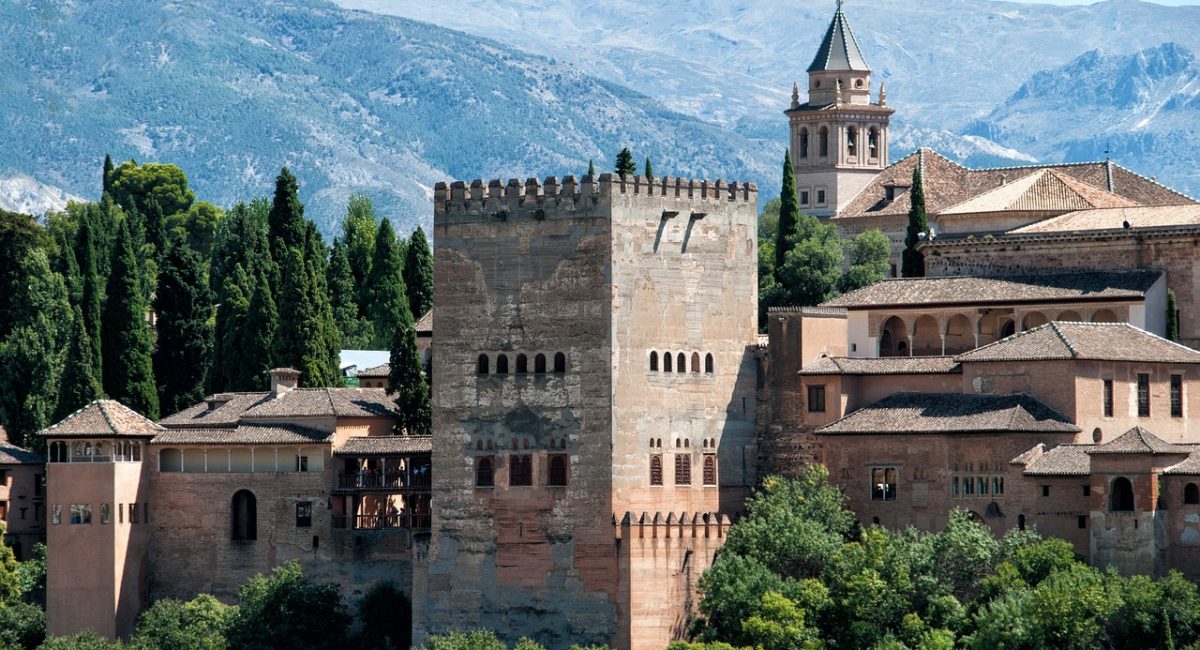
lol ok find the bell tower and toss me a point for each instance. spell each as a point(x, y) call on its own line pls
point(839, 136)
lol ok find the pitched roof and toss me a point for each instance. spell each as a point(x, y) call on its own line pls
point(1042, 190)
point(1138, 441)
point(221, 410)
point(882, 366)
point(376, 372)
point(425, 323)
point(384, 445)
point(839, 50)
point(1188, 466)
point(103, 418)
point(950, 413)
point(244, 434)
point(326, 402)
point(1099, 341)
point(11, 454)
point(1164, 216)
point(1006, 289)
point(1063, 460)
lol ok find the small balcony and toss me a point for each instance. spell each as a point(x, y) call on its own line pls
point(385, 481)
point(405, 521)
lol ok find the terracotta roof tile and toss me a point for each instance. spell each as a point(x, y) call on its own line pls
point(245, 434)
point(1099, 341)
point(380, 445)
point(882, 366)
point(222, 410)
point(11, 454)
point(1041, 191)
point(1063, 460)
point(378, 372)
point(1008, 289)
point(1167, 216)
point(951, 413)
point(103, 418)
point(424, 324)
point(1188, 466)
point(1138, 441)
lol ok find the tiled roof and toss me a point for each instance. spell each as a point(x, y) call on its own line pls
point(1138, 441)
point(947, 184)
point(11, 454)
point(1166, 216)
point(1007, 289)
point(1063, 460)
point(103, 417)
point(380, 445)
point(244, 434)
point(1041, 191)
point(318, 402)
point(376, 372)
point(1099, 341)
point(222, 410)
point(952, 413)
point(882, 366)
point(1188, 466)
point(839, 50)
point(424, 324)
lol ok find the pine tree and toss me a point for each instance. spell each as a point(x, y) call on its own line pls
point(358, 233)
point(255, 346)
point(418, 274)
point(1172, 316)
point(912, 261)
point(356, 332)
point(789, 214)
point(591, 168)
point(106, 180)
point(183, 305)
point(649, 168)
point(625, 165)
point(225, 363)
point(407, 381)
point(90, 289)
point(126, 341)
point(388, 298)
point(79, 383)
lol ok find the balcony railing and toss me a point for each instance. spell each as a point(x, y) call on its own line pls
point(384, 481)
point(384, 522)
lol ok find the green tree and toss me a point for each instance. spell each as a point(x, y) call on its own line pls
point(649, 167)
point(780, 625)
point(1172, 316)
point(810, 271)
point(106, 178)
point(869, 253)
point(382, 627)
point(20, 234)
point(88, 640)
point(406, 380)
point(258, 339)
point(789, 215)
point(241, 240)
point(126, 340)
point(32, 576)
point(359, 232)
point(912, 260)
point(184, 307)
point(285, 224)
point(153, 187)
point(285, 611)
point(10, 582)
point(625, 166)
point(229, 328)
point(199, 624)
point(198, 226)
point(65, 264)
point(591, 168)
point(22, 626)
point(90, 289)
point(300, 339)
point(80, 385)
point(388, 297)
point(357, 332)
point(478, 640)
point(328, 338)
point(418, 274)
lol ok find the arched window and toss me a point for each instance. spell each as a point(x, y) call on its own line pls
point(1008, 329)
point(502, 365)
point(482, 367)
point(1191, 494)
point(653, 361)
point(683, 469)
point(681, 363)
point(667, 361)
point(520, 470)
point(1121, 499)
point(485, 475)
point(245, 516)
point(873, 142)
point(852, 142)
point(823, 142)
point(804, 143)
point(522, 364)
point(695, 362)
point(708, 363)
point(656, 469)
point(539, 363)
point(557, 476)
point(560, 362)
point(58, 452)
point(710, 469)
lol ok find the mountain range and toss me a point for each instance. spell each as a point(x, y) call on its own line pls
point(359, 101)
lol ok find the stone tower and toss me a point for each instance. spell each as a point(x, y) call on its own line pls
point(594, 371)
point(839, 138)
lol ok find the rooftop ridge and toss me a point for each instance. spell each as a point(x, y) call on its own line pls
point(1063, 337)
point(1109, 165)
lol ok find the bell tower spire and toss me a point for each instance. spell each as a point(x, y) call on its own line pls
point(839, 136)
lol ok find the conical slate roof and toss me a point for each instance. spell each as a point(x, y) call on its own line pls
point(839, 50)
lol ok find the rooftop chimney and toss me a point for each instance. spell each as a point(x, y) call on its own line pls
point(283, 380)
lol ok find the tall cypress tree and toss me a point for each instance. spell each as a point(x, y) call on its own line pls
point(789, 214)
point(912, 261)
point(257, 342)
point(591, 168)
point(285, 223)
point(90, 283)
point(625, 165)
point(300, 342)
point(79, 384)
point(1172, 316)
point(358, 233)
point(388, 298)
point(329, 339)
point(67, 265)
point(224, 366)
point(418, 274)
point(407, 381)
point(106, 181)
point(126, 342)
point(183, 305)
point(356, 332)
point(649, 168)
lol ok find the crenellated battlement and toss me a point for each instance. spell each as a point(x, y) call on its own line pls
point(533, 198)
point(697, 525)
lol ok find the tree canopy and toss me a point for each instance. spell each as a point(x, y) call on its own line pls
point(160, 187)
point(625, 165)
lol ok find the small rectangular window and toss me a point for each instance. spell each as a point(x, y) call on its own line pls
point(120, 513)
point(133, 513)
point(520, 470)
point(883, 483)
point(304, 514)
point(656, 477)
point(105, 513)
point(816, 399)
point(1176, 396)
point(804, 198)
point(81, 513)
point(820, 197)
point(301, 463)
point(1083, 521)
point(1045, 490)
point(1108, 398)
point(710, 469)
point(983, 486)
point(997, 485)
point(56, 514)
point(1087, 490)
point(556, 475)
point(954, 487)
point(1143, 395)
point(968, 486)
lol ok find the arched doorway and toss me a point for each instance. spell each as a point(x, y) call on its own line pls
point(1121, 499)
point(892, 334)
point(960, 335)
point(926, 340)
point(245, 516)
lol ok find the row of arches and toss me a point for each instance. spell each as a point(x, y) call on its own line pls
point(853, 136)
point(930, 335)
point(487, 444)
point(683, 470)
point(678, 362)
point(520, 472)
point(521, 361)
point(100, 451)
point(683, 443)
